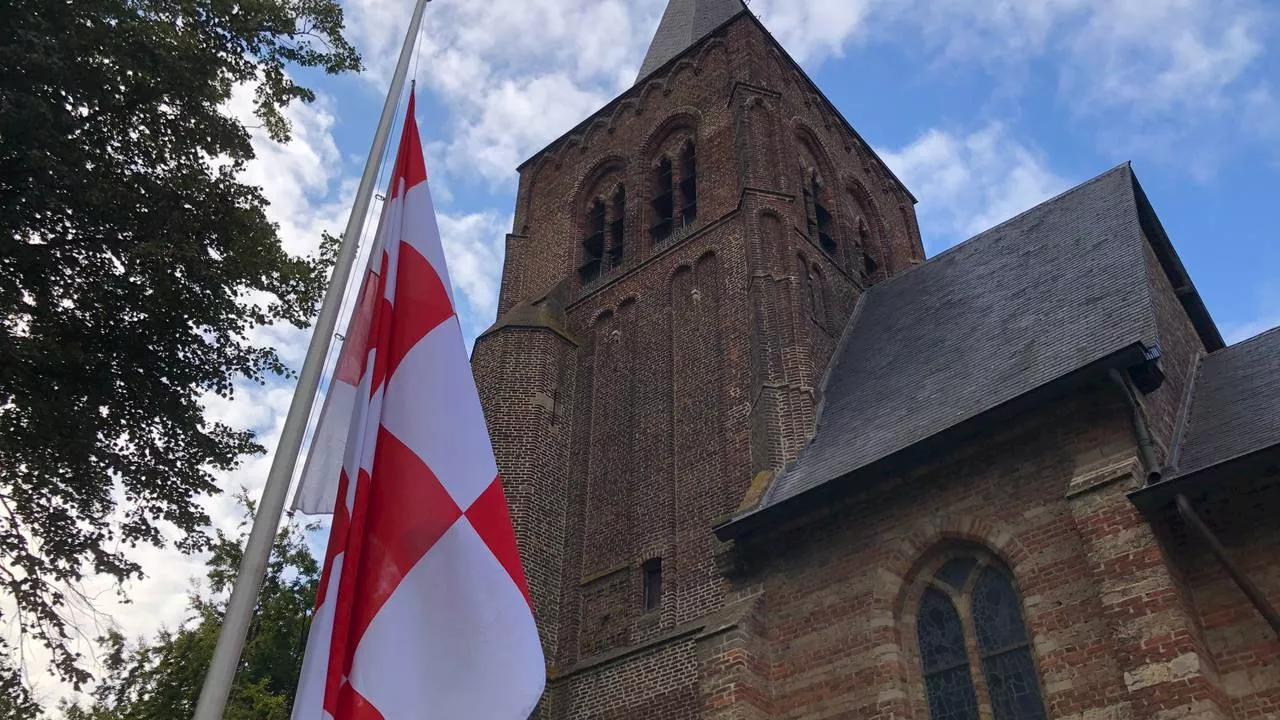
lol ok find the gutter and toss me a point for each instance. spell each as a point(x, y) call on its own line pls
point(922, 450)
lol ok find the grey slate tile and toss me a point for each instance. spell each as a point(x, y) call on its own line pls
point(684, 23)
point(1235, 408)
point(1018, 306)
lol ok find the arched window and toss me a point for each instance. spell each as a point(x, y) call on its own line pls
point(689, 184)
point(813, 291)
point(983, 649)
point(819, 298)
point(819, 217)
point(604, 244)
point(869, 264)
point(663, 201)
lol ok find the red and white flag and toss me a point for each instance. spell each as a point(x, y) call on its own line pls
point(422, 611)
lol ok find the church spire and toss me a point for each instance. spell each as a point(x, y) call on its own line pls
point(684, 23)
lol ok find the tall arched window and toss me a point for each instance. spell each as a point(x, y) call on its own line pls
point(819, 217)
point(663, 202)
point(617, 227)
point(593, 243)
point(604, 242)
point(869, 264)
point(813, 291)
point(973, 642)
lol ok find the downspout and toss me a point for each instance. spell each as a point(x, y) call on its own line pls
point(1146, 451)
point(1243, 581)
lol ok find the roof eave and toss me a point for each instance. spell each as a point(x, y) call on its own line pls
point(819, 495)
point(1153, 497)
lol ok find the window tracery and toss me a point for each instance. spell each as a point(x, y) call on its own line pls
point(973, 643)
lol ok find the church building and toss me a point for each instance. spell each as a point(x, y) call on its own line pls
point(765, 460)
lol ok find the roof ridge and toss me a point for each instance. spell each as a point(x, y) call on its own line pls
point(1260, 336)
point(963, 243)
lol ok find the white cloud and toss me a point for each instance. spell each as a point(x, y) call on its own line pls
point(1265, 315)
point(1262, 117)
point(518, 116)
point(1155, 74)
point(1160, 56)
point(515, 74)
point(1148, 55)
point(1238, 331)
point(813, 30)
point(474, 246)
point(967, 183)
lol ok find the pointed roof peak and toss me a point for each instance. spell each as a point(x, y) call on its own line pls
point(684, 23)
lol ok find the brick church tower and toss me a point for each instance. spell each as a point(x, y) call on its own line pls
point(765, 461)
point(683, 264)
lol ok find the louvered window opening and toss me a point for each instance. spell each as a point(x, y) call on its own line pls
point(675, 194)
point(604, 247)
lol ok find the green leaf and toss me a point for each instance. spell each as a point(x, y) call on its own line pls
point(128, 246)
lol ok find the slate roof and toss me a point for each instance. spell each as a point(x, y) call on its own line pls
point(684, 23)
point(1235, 405)
point(1048, 292)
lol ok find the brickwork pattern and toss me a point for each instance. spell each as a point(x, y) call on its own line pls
point(675, 383)
point(1179, 346)
point(1244, 649)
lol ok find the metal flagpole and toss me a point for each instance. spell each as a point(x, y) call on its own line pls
point(257, 552)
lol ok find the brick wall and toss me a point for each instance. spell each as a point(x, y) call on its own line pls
point(658, 394)
point(1245, 650)
point(693, 363)
point(1047, 497)
point(1180, 346)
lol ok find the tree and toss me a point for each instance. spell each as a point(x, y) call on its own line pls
point(16, 701)
point(133, 266)
point(161, 680)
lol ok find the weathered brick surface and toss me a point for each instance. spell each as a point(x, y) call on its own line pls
point(659, 395)
point(841, 588)
point(697, 360)
point(1180, 347)
point(1244, 648)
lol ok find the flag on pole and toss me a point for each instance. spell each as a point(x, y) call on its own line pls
point(422, 609)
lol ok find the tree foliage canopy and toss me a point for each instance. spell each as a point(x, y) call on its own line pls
point(133, 265)
point(161, 680)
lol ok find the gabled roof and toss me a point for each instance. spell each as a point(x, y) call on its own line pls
point(684, 23)
point(1235, 405)
point(1060, 288)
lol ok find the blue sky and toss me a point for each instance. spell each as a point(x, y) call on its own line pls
point(983, 108)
